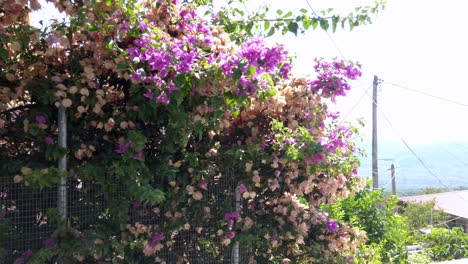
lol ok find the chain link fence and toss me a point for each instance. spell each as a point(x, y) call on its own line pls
point(25, 222)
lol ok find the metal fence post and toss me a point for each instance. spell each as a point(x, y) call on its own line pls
point(235, 247)
point(62, 163)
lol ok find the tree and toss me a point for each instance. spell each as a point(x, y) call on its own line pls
point(422, 215)
point(162, 104)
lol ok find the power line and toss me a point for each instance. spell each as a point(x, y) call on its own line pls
point(412, 151)
point(428, 94)
point(439, 224)
point(455, 157)
point(328, 34)
point(356, 104)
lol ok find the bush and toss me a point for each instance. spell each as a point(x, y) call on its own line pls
point(371, 212)
point(446, 244)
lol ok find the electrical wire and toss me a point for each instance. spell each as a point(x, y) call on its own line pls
point(428, 94)
point(438, 224)
point(356, 104)
point(328, 34)
point(412, 151)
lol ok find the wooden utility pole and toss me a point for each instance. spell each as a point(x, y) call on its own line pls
point(375, 170)
point(392, 171)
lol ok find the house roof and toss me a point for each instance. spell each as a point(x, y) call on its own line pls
point(454, 203)
point(458, 261)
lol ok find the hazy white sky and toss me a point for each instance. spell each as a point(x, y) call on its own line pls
point(419, 44)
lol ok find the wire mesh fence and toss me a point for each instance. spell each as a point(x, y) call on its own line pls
point(25, 224)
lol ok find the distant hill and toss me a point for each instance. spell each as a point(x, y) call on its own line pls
point(448, 162)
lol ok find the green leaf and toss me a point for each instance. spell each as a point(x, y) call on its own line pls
point(293, 26)
point(314, 23)
point(4, 54)
point(289, 14)
point(304, 11)
point(324, 24)
point(279, 12)
point(335, 21)
point(271, 32)
point(266, 25)
point(108, 2)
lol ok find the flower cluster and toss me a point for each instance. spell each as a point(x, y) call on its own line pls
point(126, 147)
point(331, 78)
point(254, 59)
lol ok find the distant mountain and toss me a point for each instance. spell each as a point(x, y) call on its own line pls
point(447, 165)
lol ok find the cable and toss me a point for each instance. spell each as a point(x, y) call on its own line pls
point(356, 104)
point(246, 9)
point(411, 150)
point(454, 157)
point(328, 34)
point(438, 224)
point(427, 94)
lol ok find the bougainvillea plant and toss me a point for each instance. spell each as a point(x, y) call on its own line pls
point(162, 103)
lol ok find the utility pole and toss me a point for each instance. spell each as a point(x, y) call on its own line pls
point(392, 171)
point(375, 170)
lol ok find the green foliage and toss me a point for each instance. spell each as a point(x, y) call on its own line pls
point(446, 244)
point(422, 215)
point(371, 212)
point(419, 258)
point(265, 23)
point(431, 190)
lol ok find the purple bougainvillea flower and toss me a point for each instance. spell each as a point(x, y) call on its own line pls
point(121, 149)
point(124, 26)
point(242, 188)
point(157, 237)
point(230, 217)
point(28, 253)
point(230, 235)
point(203, 184)
point(163, 99)
point(40, 119)
point(149, 94)
point(273, 238)
point(49, 140)
point(332, 226)
point(135, 204)
point(138, 156)
point(49, 242)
